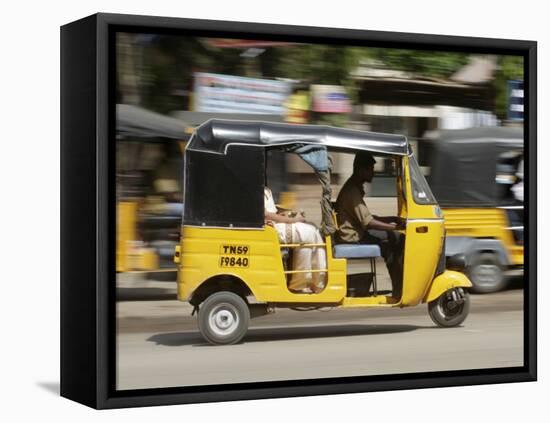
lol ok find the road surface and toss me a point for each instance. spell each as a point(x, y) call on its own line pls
point(158, 344)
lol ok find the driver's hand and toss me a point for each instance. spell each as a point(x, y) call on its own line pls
point(400, 224)
point(300, 218)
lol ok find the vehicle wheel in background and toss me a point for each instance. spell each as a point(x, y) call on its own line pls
point(486, 274)
point(223, 318)
point(451, 308)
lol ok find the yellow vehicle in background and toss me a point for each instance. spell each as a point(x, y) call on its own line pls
point(148, 179)
point(476, 175)
point(232, 266)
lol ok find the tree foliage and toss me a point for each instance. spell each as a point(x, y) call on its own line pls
point(422, 63)
point(163, 67)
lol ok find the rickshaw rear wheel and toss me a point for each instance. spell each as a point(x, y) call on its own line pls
point(223, 318)
point(451, 308)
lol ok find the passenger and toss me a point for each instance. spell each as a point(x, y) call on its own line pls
point(296, 230)
point(356, 225)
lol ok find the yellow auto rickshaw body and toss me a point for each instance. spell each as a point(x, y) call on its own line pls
point(232, 265)
point(252, 257)
point(484, 223)
point(130, 255)
point(477, 176)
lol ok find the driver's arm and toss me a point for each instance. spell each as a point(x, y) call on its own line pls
point(398, 222)
point(381, 226)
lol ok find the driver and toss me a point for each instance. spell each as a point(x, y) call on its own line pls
point(356, 225)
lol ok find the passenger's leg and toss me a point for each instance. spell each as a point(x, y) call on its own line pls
point(318, 261)
point(301, 261)
point(317, 257)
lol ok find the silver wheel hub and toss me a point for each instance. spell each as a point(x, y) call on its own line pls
point(223, 319)
point(486, 274)
point(450, 304)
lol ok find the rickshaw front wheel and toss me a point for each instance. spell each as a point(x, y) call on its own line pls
point(223, 318)
point(451, 308)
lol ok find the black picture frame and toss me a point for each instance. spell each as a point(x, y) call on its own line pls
point(88, 212)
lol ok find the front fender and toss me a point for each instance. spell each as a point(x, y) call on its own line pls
point(447, 280)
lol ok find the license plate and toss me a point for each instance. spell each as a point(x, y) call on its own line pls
point(234, 255)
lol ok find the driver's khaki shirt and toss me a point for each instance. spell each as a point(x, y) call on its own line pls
point(352, 213)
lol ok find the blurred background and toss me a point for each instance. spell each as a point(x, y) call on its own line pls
point(462, 113)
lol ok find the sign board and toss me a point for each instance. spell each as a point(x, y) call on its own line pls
point(236, 94)
point(330, 99)
point(515, 100)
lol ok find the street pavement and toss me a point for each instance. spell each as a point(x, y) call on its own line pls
point(158, 344)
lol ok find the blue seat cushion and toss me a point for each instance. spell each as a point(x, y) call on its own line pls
point(356, 251)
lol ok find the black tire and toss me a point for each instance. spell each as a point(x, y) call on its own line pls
point(486, 274)
point(223, 318)
point(446, 313)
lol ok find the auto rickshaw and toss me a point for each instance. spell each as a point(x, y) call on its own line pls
point(473, 174)
point(231, 264)
point(149, 150)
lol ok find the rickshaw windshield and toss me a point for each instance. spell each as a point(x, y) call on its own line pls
point(422, 193)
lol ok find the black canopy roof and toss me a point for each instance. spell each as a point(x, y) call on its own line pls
point(490, 136)
point(464, 164)
point(136, 122)
point(215, 135)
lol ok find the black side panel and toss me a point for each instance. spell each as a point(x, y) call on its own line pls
point(225, 190)
point(78, 211)
point(463, 175)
